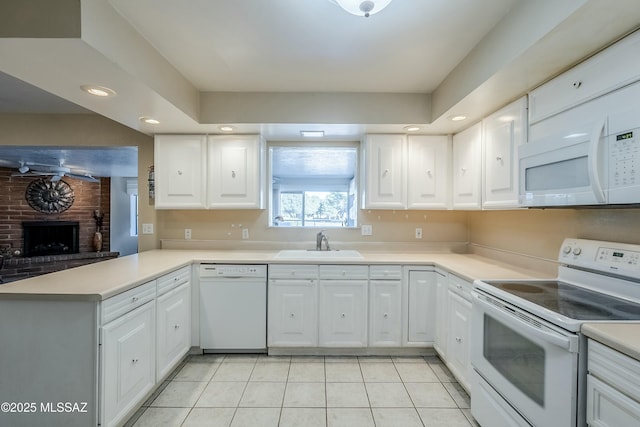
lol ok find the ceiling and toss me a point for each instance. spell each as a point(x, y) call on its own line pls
point(280, 66)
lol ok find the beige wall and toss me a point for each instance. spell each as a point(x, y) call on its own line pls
point(85, 130)
point(538, 233)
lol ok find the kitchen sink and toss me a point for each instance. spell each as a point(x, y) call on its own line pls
point(314, 254)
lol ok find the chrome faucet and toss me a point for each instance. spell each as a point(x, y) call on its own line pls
point(320, 237)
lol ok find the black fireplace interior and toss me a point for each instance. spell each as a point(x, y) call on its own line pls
point(50, 237)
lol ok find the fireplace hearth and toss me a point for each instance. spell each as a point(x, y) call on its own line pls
point(50, 238)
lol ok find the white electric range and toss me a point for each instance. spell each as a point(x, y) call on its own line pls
point(527, 353)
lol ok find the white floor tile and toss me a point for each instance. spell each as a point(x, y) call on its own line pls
point(347, 395)
point(305, 395)
point(196, 372)
point(416, 373)
point(388, 395)
point(374, 359)
point(263, 395)
point(430, 395)
point(458, 394)
point(272, 372)
point(379, 372)
point(442, 372)
point(240, 358)
point(233, 372)
point(225, 394)
point(343, 372)
point(209, 417)
point(349, 417)
point(396, 417)
point(303, 417)
point(179, 394)
point(162, 417)
point(441, 417)
point(307, 359)
point(309, 372)
point(253, 417)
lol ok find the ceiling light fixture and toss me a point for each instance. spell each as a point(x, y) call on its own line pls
point(312, 133)
point(149, 120)
point(226, 128)
point(100, 91)
point(362, 8)
point(411, 128)
point(458, 118)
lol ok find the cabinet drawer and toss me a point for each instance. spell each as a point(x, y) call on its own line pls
point(293, 271)
point(608, 407)
point(122, 303)
point(173, 280)
point(382, 272)
point(614, 368)
point(460, 287)
point(333, 272)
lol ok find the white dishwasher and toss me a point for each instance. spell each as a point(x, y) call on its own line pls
point(233, 308)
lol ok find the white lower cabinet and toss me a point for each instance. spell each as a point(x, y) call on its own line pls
point(385, 306)
point(421, 325)
point(459, 329)
point(440, 342)
point(128, 362)
point(293, 318)
point(613, 387)
point(174, 328)
point(343, 313)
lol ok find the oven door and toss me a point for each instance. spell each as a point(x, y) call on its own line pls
point(531, 364)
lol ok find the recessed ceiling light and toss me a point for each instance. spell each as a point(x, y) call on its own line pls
point(101, 91)
point(411, 128)
point(226, 128)
point(149, 120)
point(458, 118)
point(312, 133)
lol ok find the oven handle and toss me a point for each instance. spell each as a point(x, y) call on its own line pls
point(569, 343)
point(595, 161)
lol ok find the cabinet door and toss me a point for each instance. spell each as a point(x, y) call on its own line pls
point(180, 171)
point(343, 313)
point(458, 341)
point(384, 179)
point(234, 172)
point(174, 328)
point(293, 319)
point(467, 179)
point(608, 407)
point(440, 343)
point(504, 131)
point(128, 362)
point(385, 313)
point(428, 182)
point(421, 308)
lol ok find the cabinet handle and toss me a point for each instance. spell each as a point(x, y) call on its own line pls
point(463, 170)
point(176, 327)
point(344, 273)
point(499, 158)
point(134, 299)
point(458, 339)
point(343, 315)
point(459, 286)
point(175, 279)
point(292, 315)
point(385, 315)
point(576, 85)
point(134, 361)
point(233, 174)
point(385, 172)
point(429, 173)
point(179, 172)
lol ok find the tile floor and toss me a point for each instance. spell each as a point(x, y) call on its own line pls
point(264, 391)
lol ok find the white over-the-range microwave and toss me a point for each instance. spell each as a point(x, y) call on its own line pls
point(588, 155)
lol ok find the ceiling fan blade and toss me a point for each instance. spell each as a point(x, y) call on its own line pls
point(87, 177)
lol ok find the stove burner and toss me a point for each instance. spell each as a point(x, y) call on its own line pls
point(526, 288)
point(585, 311)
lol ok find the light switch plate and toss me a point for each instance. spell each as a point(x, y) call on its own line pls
point(187, 234)
point(147, 228)
point(366, 230)
point(245, 233)
point(418, 233)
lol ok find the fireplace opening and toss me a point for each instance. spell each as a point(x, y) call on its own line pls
point(50, 238)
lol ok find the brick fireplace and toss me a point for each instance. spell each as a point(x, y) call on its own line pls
point(14, 211)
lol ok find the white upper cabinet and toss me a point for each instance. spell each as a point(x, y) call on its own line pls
point(384, 177)
point(235, 166)
point(180, 162)
point(428, 168)
point(467, 174)
point(610, 69)
point(503, 131)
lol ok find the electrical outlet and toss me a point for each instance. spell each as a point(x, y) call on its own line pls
point(147, 228)
point(366, 230)
point(245, 233)
point(187, 234)
point(418, 233)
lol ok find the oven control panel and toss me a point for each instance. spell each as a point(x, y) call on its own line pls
point(618, 258)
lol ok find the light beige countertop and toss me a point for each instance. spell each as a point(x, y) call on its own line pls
point(623, 337)
point(108, 278)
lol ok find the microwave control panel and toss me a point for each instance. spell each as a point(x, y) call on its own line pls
point(624, 165)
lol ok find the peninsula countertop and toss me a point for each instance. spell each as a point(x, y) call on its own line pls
point(105, 279)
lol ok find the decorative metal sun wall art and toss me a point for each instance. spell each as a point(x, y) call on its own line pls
point(47, 196)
